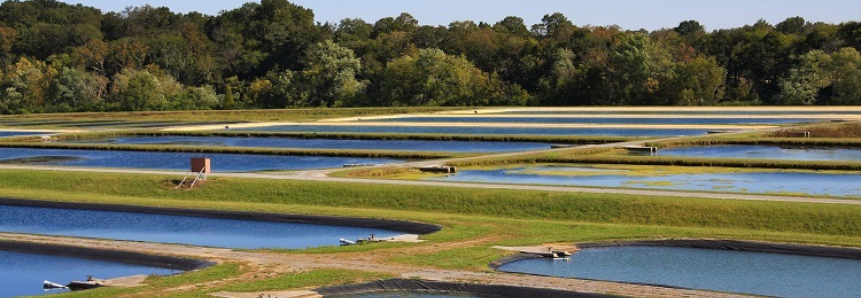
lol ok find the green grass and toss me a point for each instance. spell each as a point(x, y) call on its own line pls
point(293, 115)
point(314, 278)
point(357, 199)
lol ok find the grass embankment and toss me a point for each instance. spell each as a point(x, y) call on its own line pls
point(292, 115)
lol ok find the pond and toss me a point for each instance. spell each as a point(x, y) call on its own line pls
point(768, 274)
point(777, 182)
point(22, 273)
point(600, 120)
point(176, 160)
point(275, 142)
point(406, 295)
point(484, 130)
point(6, 133)
point(759, 112)
point(201, 231)
point(766, 152)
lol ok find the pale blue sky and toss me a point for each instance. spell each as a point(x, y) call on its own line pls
point(630, 14)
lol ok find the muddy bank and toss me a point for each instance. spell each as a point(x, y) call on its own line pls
point(396, 225)
point(106, 255)
point(413, 285)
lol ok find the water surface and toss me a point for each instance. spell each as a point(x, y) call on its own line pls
point(229, 233)
point(782, 182)
point(276, 142)
point(598, 120)
point(717, 270)
point(176, 160)
point(766, 152)
point(5, 133)
point(482, 130)
point(21, 274)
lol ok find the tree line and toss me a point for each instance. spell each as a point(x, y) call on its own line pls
point(57, 57)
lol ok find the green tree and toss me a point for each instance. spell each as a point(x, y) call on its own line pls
point(330, 75)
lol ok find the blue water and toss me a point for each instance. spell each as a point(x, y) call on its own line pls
point(718, 270)
point(482, 130)
point(4, 134)
point(274, 142)
point(405, 295)
point(21, 274)
point(228, 233)
point(766, 152)
point(592, 120)
point(181, 160)
point(835, 185)
point(676, 112)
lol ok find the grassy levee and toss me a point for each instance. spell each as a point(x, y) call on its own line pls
point(532, 157)
point(294, 115)
point(336, 136)
point(514, 204)
point(237, 150)
point(764, 140)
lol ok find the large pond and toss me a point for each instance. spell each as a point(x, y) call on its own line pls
point(175, 160)
point(601, 120)
point(780, 182)
point(216, 232)
point(274, 142)
point(766, 152)
point(22, 273)
point(718, 270)
point(6, 133)
point(509, 130)
point(406, 295)
point(676, 112)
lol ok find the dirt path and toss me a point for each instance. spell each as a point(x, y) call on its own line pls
point(260, 265)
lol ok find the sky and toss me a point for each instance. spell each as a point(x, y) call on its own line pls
point(629, 14)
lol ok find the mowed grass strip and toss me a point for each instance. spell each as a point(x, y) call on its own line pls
point(826, 219)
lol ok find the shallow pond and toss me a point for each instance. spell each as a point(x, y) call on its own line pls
point(810, 183)
point(483, 130)
point(4, 133)
point(273, 142)
point(766, 152)
point(676, 112)
point(600, 120)
point(22, 273)
point(718, 270)
point(176, 160)
point(405, 295)
point(216, 232)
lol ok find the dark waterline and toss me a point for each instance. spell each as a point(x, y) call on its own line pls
point(274, 142)
point(590, 120)
point(22, 273)
point(215, 232)
point(180, 160)
point(482, 130)
point(766, 152)
point(718, 270)
point(405, 295)
point(836, 185)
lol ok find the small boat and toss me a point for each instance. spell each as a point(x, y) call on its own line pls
point(346, 242)
point(52, 285)
point(354, 165)
point(83, 285)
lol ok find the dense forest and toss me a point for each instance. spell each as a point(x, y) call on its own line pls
point(56, 57)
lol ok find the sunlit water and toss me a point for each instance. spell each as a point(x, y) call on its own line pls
point(600, 120)
point(482, 130)
point(810, 183)
point(181, 160)
point(719, 270)
point(275, 142)
point(229, 233)
point(766, 152)
point(21, 274)
point(4, 133)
